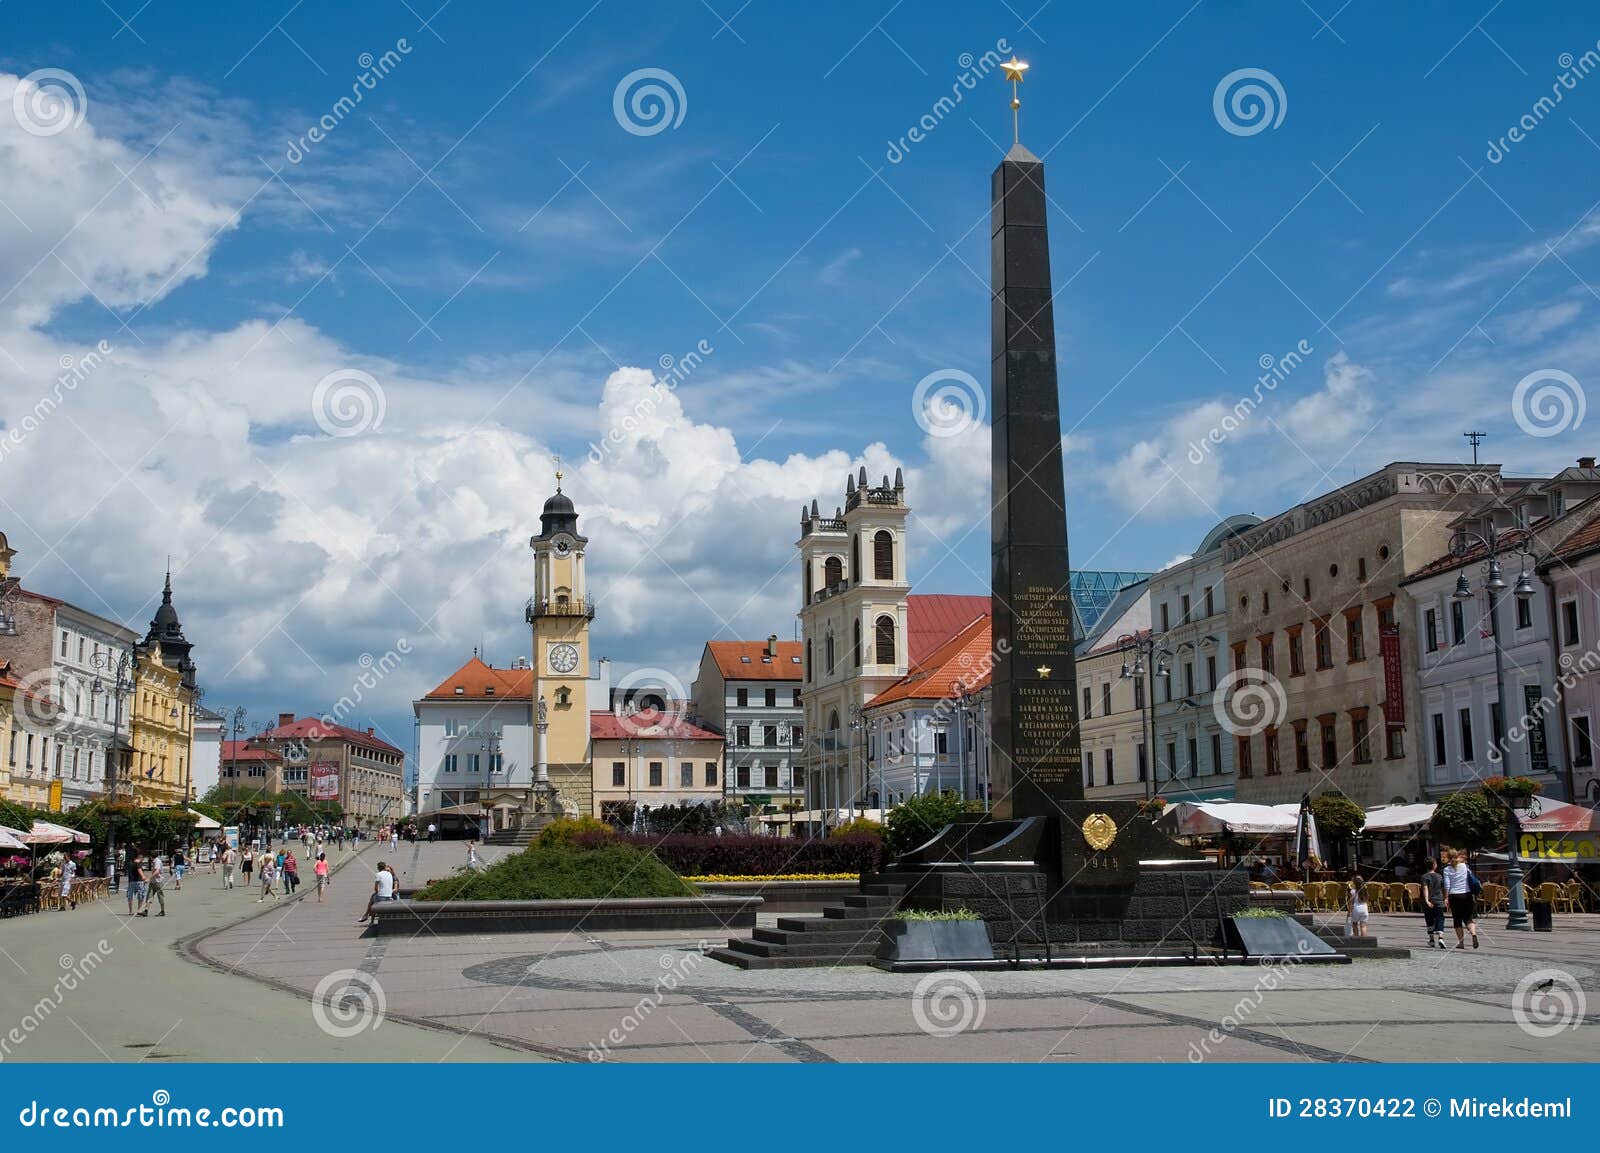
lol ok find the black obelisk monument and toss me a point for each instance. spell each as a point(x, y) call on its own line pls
point(1037, 762)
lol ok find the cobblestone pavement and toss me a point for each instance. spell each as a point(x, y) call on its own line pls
point(92, 984)
point(653, 997)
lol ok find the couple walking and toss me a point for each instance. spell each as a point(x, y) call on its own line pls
point(1456, 888)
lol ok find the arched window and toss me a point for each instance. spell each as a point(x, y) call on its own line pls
point(833, 728)
point(828, 652)
point(885, 640)
point(808, 658)
point(833, 571)
point(855, 559)
point(805, 569)
point(856, 650)
point(883, 555)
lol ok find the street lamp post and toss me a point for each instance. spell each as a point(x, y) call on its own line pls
point(1494, 544)
point(1148, 664)
point(121, 685)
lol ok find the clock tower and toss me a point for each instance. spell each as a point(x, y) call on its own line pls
point(559, 614)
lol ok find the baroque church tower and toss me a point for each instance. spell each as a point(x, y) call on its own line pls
point(559, 614)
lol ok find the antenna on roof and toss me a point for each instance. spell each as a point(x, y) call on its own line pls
point(1476, 438)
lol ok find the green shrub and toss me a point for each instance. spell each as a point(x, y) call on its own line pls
point(560, 872)
point(858, 825)
point(1469, 820)
point(566, 830)
point(937, 915)
point(1257, 912)
point(914, 820)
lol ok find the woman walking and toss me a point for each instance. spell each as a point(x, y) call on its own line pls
point(1460, 889)
point(321, 870)
point(291, 874)
point(1433, 902)
point(268, 875)
point(248, 865)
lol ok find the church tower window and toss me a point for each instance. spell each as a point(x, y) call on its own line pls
point(883, 555)
point(885, 641)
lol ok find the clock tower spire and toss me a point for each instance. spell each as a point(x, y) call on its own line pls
point(559, 614)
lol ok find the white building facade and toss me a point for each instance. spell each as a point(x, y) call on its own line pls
point(749, 691)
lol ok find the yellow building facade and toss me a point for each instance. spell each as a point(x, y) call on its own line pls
point(559, 614)
point(161, 731)
point(8, 705)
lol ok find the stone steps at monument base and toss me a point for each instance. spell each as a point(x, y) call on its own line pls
point(751, 961)
point(833, 924)
point(875, 908)
point(845, 952)
point(815, 936)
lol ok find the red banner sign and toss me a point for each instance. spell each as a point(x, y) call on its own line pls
point(325, 781)
point(1394, 693)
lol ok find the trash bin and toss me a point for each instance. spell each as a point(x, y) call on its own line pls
point(1540, 912)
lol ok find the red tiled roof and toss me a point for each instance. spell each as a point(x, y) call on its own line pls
point(1449, 562)
point(245, 751)
point(784, 667)
point(963, 661)
point(933, 618)
point(476, 679)
point(313, 729)
point(610, 727)
point(1583, 540)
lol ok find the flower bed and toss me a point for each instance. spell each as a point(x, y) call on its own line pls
point(735, 856)
point(763, 878)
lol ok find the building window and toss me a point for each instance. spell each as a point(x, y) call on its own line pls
point(1302, 748)
point(686, 775)
point(1111, 767)
point(1354, 640)
point(1494, 730)
point(1194, 757)
point(771, 697)
point(885, 640)
point(883, 555)
point(1266, 600)
point(1210, 603)
point(795, 699)
point(1324, 643)
point(1216, 752)
point(941, 742)
point(450, 762)
point(1184, 605)
point(1360, 741)
point(1166, 622)
point(1172, 761)
point(451, 727)
point(1582, 742)
point(1105, 701)
point(1211, 673)
point(1330, 744)
point(1297, 655)
point(1188, 678)
point(1088, 703)
point(711, 773)
point(741, 776)
point(741, 736)
point(655, 774)
point(619, 774)
point(1269, 743)
point(1569, 623)
point(827, 652)
point(1268, 662)
point(1242, 757)
point(1524, 612)
point(1464, 721)
point(1088, 768)
point(832, 572)
point(769, 736)
point(1458, 623)
point(1430, 629)
point(1394, 742)
point(742, 696)
point(1140, 756)
point(807, 668)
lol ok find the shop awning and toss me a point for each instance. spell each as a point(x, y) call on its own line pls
point(1397, 818)
point(1210, 818)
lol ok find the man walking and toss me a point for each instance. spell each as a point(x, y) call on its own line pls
point(227, 867)
point(69, 868)
point(156, 888)
point(1433, 902)
point(134, 878)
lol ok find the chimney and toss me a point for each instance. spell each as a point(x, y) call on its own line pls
point(369, 730)
point(1586, 462)
point(772, 646)
point(285, 719)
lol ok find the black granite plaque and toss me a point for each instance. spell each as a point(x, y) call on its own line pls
point(1037, 758)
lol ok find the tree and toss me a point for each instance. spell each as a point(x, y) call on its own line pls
point(1338, 819)
point(1469, 820)
point(916, 819)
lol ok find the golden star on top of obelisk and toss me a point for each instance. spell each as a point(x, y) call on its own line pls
point(1013, 70)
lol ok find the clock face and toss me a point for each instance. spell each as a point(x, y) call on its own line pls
point(563, 658)
point(563, 546)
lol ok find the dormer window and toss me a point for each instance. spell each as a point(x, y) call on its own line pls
point(744, 660)
point(488, 690)
point(461, 690)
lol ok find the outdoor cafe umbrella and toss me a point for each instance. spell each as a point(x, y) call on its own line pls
point(1307, 845)
point(12, 838)
point(46, 833)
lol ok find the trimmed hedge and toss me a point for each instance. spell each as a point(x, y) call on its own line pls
point(558, 872)
point(697, 856)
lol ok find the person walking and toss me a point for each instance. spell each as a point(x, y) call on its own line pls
point(1356, 906)
point(472, 856)
point(1461, 888)
point(135, 880)
point(321, 870)
point(1433, 902)
point(227, 865)
point(155, 887)
point(268, 875)
point(249, 864)
point(291, 874)
point(179, 864)
point(212, 849)
point(433, 832)
point(394, 838)
point(69, 869)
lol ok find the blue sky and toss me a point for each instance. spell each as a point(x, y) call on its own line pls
point(484, 240)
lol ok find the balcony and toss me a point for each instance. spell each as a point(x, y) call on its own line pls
point(581, 607)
